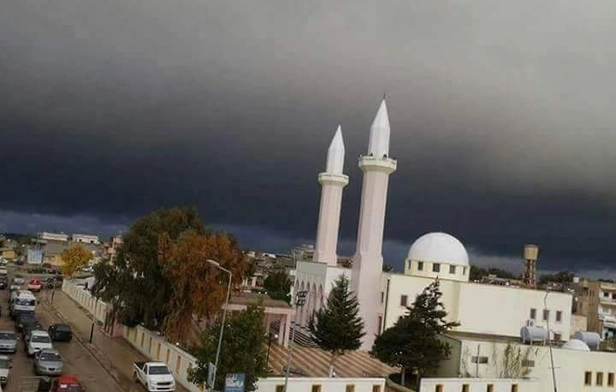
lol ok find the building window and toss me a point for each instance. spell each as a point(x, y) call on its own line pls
point(559, 316)
point(466, 388)
point(587, 378)
point(436, 267)
point(316, 388)
point(380, 322)
point(546, 314)
point(376, 388)
point(533, 314)
point(610, 379)
point(452, 269)
point(557, 337)
point(528, 363)
point(382, 297)
point(438, 388)
point(463, 270)
point(490, 388)
point(350, 388)
point(514, 387)
point(420, 266)
point(279, 388)
point(404, 300)
point(410, 263)
point(599, 380)
point(479, 360)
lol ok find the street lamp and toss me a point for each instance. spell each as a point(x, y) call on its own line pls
point(300, 300)
point(269, 345)
point(224, 316)
point(545, 306)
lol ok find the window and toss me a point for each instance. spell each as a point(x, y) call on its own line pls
point(463, 270)
point(514, 387)
point(410, 264)
point(599, 380)
point(587, 378)
point(279, 388)
point(528, 363)
point(376, 388)
point(557, 337)
point(559, 316)
point(178, 364)
point(316, 388)
point(404, 300)
point(546, 314)
point(420, 266)
point(466, 388)
point(380, 322)
point(382, 297)
point(452, 269)
point(480, 360)
point(490, 388)
point(142, 338)
point(610, 379)
point(438, 388)
point(533, 314)
point(436, 267)
point(350, 388)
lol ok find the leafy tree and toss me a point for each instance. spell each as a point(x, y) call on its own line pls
point(413, 343)
point(242, 350)
point(74, 258)
point(278, 286)
point(198, 288)
point(134, 282)
point(476, 273)
point(337, 327)
point(559, 277)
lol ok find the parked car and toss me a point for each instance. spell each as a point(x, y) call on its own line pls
point(154, 376)
point(4, 282)
point(25, 333)
point(66, 383)
point(48, 362)
point(19, 280)
point(24, 319)
point(8, 342)
point(37, 341)
point(5, 369)
point(35, 285)
point(60, 333)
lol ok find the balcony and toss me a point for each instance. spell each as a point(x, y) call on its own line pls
point(607, 300)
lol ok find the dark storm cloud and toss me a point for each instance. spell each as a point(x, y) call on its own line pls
point(501, 117)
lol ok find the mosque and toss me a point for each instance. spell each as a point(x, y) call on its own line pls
point(384, 296)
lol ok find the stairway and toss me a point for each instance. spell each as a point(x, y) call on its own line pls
point(303, 337)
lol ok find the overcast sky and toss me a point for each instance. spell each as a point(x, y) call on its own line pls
point(501, 112)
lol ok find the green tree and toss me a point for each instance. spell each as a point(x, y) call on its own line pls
point(242, 350)
point(413, 343)
point(337, 327)
point(278, 286)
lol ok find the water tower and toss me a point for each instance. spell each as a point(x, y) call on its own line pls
point(531, 254)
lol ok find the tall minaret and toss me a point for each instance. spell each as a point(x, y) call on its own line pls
point(332, 181)
point(368, 259)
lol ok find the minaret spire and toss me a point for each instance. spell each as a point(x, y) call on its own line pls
point(368, 258)
point(332, 182)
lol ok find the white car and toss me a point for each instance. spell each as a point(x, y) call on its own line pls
point(37, 341)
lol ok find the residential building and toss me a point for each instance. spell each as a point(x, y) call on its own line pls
point(597, 301)
point(46, 236)
point(86, 238)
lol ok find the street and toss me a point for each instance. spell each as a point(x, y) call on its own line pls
point(77, 359)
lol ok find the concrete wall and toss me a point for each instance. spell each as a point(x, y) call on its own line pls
point(477, 385)
point(83, 297)
point(306, 384)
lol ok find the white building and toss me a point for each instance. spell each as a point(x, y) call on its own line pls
point(86, 239)
point(53, 236)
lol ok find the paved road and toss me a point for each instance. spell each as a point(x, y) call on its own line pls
point(77, 359)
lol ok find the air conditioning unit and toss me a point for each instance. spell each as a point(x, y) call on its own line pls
point(530, 323)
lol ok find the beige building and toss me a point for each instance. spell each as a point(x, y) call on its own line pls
point(597, 301)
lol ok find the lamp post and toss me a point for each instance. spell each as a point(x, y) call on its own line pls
point(224, 316)
point(300, 300)
point(269, 345)
point(545, 306)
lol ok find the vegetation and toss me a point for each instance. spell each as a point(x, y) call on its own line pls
point(476, 273)
point(74, 258)
point(559, 277)
point(337, 327)
point(160, 277)
point(242, 350)
point(413, 343)
point(278, 286)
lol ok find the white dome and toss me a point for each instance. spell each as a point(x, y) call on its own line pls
point(438, 248)
point(576, 345)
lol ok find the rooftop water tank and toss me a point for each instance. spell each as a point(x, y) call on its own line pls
point(575, 345)
point(592, 339)
point(530, 334)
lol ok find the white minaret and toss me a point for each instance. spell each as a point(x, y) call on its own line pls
point(368, 259)
point(332, 181)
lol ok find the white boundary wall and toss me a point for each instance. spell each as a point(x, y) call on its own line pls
point(156, 348)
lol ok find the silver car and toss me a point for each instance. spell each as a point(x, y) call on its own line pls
point(48, 362)
point(8, 342)
point(5, 369)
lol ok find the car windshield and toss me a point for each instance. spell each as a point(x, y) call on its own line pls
point(159, 370)
point(40, 339)
point(25, 302)
point(7, 336)
point(50, 357)
point(5, 364)
point(25, 316)
point(62, 328)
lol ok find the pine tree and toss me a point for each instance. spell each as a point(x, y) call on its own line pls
point(413, 343)
point(337, 327)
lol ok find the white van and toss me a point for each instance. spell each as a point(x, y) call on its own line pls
point(22, 301)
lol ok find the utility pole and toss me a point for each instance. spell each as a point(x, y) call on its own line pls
point(545, 307)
